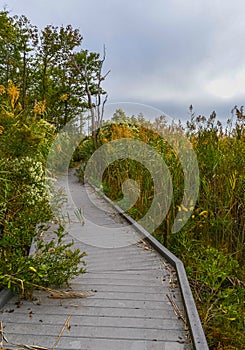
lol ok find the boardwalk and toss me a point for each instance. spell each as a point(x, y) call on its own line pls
point(135, 304)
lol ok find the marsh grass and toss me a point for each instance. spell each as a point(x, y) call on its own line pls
point(211, 244)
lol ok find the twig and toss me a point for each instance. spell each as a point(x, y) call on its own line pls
point(145, 245)
point(3, 337)
point(176, 309)
point(68, 295)
point(236, 282)
point(31, 347)
point(56, 294)
point(172, 275)
point(66, 324)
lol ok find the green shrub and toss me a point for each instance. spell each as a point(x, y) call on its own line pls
point(53, 263)
point(24, 204)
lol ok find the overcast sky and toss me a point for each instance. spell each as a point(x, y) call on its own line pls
point(164, 53)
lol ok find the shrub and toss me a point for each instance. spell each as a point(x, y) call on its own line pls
point(24, 204)
point(54, 263)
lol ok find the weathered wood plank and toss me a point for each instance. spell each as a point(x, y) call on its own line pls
point(95, 321)
point(102, 343)
point(97, 332)
point(76, 309)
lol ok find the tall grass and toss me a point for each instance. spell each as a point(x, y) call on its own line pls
point(221, 155)
point(212, 243)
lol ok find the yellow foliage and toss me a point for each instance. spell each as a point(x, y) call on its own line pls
point(143, 135)
point(32, 269)
point(232, 181)
point(203, 213)
point(46, 124)
point(120, 131)
point(39, 107)
point(184, 208)
point(1, 129)
point(10, 114)
point(13, 92)
point(64, 97)
point(223, 310)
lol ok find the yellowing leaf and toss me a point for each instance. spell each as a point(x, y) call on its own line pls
point(64, 97)
point(184, 208)
point(39, 107)
point(32, 269)
point(203, 213)
point(13, 92)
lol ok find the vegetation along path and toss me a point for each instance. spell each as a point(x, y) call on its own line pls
point(134, 300)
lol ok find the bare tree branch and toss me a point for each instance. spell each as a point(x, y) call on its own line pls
point(97, 107)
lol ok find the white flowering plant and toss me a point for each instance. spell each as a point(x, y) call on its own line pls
point(23, 191)
point(24, 203)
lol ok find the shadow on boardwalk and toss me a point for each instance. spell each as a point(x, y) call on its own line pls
point(136, 302)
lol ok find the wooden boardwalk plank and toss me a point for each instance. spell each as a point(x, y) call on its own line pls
point(75, 310)
point(93, 343)
point(97, 321)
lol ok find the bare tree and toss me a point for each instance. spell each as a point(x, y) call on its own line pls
point(90, 66)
